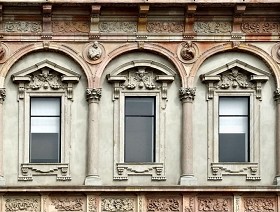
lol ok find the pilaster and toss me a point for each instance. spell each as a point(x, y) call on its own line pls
point(2, 98)
point(277, 100)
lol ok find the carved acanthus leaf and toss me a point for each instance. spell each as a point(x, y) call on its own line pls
point(163, 205)
point(117, 204)
point(93, 94)
point(187, 94)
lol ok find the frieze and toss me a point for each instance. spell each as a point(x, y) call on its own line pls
point(118, 204)
point(70, 27)
point(165, 27)
point(68, 203)
point(217, 204)
point(118, 27)
point(260, 27)
point(163, 205)
point(22, 26)
point(260, 204)
point(24, 204)
point(212, 27)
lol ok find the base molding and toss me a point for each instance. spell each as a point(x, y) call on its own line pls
point(188, 180)
point(93, 180)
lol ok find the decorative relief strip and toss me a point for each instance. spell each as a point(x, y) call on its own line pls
point(68, 203)
point(260, 27)
point(118, 27)
point(24, 204)
point(163, 204)
point(118, 204)
point(212, 27)
point(70, 27)
point(265, 204)
point(165, 27)
point(22, 26)
point(217, 204)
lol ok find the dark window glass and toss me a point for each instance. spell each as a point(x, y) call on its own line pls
point(139, 129)
point(234, 129)
point(45, 122)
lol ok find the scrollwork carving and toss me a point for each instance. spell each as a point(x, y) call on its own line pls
point(68, 203)
point(260, 27)
point(259, 205)
point(22, 204)
point(93, 94)
point(70, 27)
point(187, 94)
point(212, 27)
point(22, 26)
point(118, 204)
point(217, 205)
point(163, 204)
point(165, 27)
point(127, 27)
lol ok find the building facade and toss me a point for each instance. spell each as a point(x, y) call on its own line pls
point(139, 106)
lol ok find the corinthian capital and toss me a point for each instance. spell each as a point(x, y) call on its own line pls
point(2, 94)
point(187, 94)
point(277, 94)
point(93, 94)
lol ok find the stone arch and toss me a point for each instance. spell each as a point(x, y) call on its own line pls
point(47, 47)
point(246, 48)
point(152, 48)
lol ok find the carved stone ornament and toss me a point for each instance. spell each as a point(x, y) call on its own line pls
point(214, 204)
point(187, 52)
point(262, 204)
point(70, 27)
point(212, 27)
point(94, 52)
point(189, 205)
point(277, 94)
point(92, 204)
point(2, 94)
point(165, 27)
point(187, 94)
point(22, 26)
point(235, 76)
point(260, 27)
point(22, 204)
point(163, 204)
point(275, 52)
point(118, 27)
point(4, 52)
point(118, 204)
point(68, 203)
point(93, 94)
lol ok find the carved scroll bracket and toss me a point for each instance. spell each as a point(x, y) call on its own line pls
point(237, 21)
point(47, 18)
point(94, 21)
point(189, 21)
point(142, 18)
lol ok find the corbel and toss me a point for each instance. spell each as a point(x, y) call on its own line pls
point(94, 21)
point(239, 10)
point(47, 21)
point(189, 21)
point(142, 18)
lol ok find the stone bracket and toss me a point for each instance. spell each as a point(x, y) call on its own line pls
point(28, 170)
point(155, 170)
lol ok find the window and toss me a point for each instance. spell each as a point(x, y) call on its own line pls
point(234, 129)
point(45, 123)
point(139, 129)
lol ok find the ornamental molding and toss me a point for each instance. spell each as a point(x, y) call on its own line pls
point(93, 94)
point(214, 204)
point(163, 204)
point(23, 26)
point(212, 27)
point(68, 203)
point(118, 204)
point(235, 76)
point(29, 170)
point(187, 94)
point(165, 27)
point(118, 27)
point(46, 76)
point(249, 170)
point(155, 170)
point(70, 27)
point(260, 27)
point(22, 204)
point(187, 52)
point(260, 204)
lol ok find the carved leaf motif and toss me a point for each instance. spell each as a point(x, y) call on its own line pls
point(118, 205)
point(45, 80)
point(165, 27)
point(212, 27)
point(259, 205)
point(70, 26)
point(159, 205)
point(260, 27)
point(218, 205)
point(22, 26)
point(118, 27)
point(68, 204)
point(18, 204)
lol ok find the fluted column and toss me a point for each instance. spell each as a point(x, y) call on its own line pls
point(2, 98)
point(277, 100)
point(93, 96)
point(187, 97)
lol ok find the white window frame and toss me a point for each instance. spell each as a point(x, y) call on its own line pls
point(27, 90)
point(256, 78)
point(122, 170)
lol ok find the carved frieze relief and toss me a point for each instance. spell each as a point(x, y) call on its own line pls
point(23, 26)
point(165, 27)
point(212, 27)
point(262, 204)
point(68, 203)
point(70, 27)
point(260, 27)
point(22, 204)
point(118, 204)
point(163, 204)
point(219, 204)
point(118, 27)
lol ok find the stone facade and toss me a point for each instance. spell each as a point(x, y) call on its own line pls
point(185, 55)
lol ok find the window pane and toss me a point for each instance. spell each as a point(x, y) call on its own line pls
point(233, 124)
point(45, 106)
point(139, 106)
point(44, 148)
point(45, 124)
point(233, 106)
point(139, 139)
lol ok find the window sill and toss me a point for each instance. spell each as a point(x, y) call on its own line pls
point(250, 170)
point(155, 170)
point(29, 170)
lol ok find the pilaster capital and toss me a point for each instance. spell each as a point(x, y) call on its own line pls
point(93, 94)
point(2, 94)
point(187, 94)
point(277, 95)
